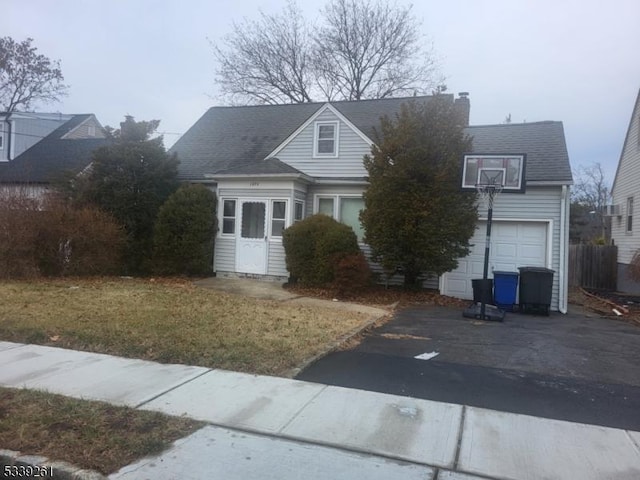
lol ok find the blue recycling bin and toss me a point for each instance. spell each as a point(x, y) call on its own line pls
point(505, 287)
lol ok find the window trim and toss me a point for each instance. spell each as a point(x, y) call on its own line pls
point(223, 217)
point(336, 204)
point(629, 216)
point(271, 219)
point(302, 207)
point(336, 138)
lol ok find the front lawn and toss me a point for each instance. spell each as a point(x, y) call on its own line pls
point(169, 321)
point(91, 435)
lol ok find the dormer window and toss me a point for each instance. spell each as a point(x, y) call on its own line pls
point(326, 139)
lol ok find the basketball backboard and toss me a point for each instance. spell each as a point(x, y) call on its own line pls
point(504, 170)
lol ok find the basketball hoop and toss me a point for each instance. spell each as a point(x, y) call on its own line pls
point(488, 176)
point(487, 192)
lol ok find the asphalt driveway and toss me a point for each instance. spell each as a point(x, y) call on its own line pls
point(577, 367)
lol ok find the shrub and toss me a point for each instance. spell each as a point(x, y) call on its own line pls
point(314, 246)
point(78, 241)
point(352, 275)
point(42, 236)
point(18, 230)
point(184, 232)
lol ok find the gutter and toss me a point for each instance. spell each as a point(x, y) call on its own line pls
point(564, 259)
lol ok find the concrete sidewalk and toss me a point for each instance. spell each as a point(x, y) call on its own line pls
point(267, 427)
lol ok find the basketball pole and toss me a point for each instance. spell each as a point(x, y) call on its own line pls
point(487, 246)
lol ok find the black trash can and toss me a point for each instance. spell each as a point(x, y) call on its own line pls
point(536, 284)
point(482, 290)
point(505, 288)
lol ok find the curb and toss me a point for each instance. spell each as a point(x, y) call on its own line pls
point(42, 467)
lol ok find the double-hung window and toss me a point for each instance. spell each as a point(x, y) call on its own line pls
point(229, 217)
point(278, 217)
point(345, 209)
point(630, 215)
point(299, 211)
point(326, 139)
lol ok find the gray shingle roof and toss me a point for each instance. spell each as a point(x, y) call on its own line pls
point(227, 137)
point(543, 142)
point(228, 140)
point(52, 156)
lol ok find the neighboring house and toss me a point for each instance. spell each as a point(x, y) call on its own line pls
point(272, 165)
point(37, 148)
point(625, 224)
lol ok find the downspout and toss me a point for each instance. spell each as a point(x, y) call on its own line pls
point(10, 136)
point(562, 275)
point(7, 147)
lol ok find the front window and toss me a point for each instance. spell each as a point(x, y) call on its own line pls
point(326, 135)
point(278, 217)
point(229, 217)
point(347, 211)
point(325, 206)
point(629, 214)
point(350, 208)
point(299, 212)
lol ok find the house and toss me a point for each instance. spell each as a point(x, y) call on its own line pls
point(37, 148)
point(272, 165)
point(625, 227)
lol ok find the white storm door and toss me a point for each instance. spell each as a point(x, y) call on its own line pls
point(251, 247)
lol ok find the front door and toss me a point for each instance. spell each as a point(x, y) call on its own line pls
point(251, 247)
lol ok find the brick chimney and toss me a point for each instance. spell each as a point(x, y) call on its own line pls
point(463, 106)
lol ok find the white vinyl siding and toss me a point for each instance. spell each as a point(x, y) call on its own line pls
point(90, 128)
point(276, 264)
point(538, 203)
point(627, 184)
point(225, 254)
point(271, 192)
point(299, 153)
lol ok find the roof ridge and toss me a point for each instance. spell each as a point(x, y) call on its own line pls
point(521, 124)
point(332, 102)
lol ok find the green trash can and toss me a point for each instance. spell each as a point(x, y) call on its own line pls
point(536, 284)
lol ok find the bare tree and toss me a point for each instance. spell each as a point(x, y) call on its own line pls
point(268, 60)
point(371, 50)
point(360, 50)
point(27, 77)
point(589, 195)
point(591, 187)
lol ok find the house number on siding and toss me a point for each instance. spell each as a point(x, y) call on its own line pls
point(254, 184)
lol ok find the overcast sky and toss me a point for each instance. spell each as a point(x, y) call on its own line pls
point(577, 61)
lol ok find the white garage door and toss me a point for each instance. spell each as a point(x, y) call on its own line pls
point(513, 245)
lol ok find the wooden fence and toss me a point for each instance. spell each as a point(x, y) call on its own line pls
point(593, 266)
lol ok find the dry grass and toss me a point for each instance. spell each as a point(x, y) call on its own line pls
point(92, 435)
point(384, 297)
point(169, 321)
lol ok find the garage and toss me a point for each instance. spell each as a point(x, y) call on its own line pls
point(513, 244)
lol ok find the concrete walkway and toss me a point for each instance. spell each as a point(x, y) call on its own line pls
point(276, 428)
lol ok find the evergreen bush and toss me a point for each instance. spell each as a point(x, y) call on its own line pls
point(314, 246)
point(184, 232)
